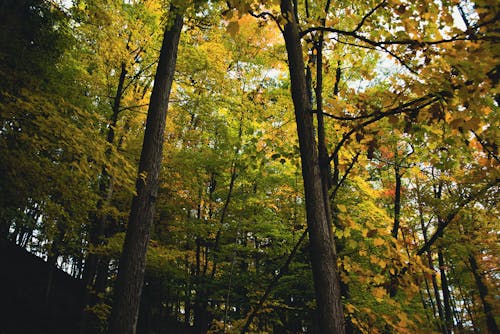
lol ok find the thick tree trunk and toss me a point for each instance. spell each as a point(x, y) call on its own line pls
point(133, 260)
point(322, 248)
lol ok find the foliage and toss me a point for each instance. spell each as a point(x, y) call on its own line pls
point(409, 99)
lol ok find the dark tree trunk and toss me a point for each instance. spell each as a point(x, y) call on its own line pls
point(93, 264)
point(133, 259)
point(397, 202)
point(483, 293)
point(322, 247)
point(446, 293)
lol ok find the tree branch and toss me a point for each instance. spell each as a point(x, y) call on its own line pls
point(449, 218)
point(282, 271)
point(405, 107)
point(367, 15)
point(263, 16)
point(344, 177)
point(485, 146)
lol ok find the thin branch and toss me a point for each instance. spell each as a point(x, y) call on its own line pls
point(327, 8)
point(344, 177)
point(449, 218)
point(464, 17)
point(405, 107)
point(367, 15)
point(263, 15)
point(354, 34)
point(485, 146)
point(134, 107)
point(138, 74)
point(282, 271)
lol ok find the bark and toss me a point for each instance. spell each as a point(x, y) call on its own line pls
point(322, 247)
point(448, 317)
point(397, 202)
point(483, 294)
point(323, 157)
point(133, 259)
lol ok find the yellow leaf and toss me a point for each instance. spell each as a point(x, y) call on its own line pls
point(378, 293)
point(349, 308)
point(378, 242)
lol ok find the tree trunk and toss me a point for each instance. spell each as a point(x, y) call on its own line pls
point(446, 293)
point(435, 286)
point(322, 247)
point(133, 259)
point(397, 201)
point(483, 294)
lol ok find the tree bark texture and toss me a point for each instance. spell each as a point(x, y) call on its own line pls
point(483, 294)
point(322, 248)
point(133, 259)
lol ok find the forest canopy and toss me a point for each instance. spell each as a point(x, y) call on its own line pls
point(257, 166)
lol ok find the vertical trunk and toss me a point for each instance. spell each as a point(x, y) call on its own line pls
point(133, 260)
point(437, 296)
point(322, 248)
point(483, 294)
point(394, 284)
point(448, 317)
point(430, 264)
point(323, 157)
point(397, 201)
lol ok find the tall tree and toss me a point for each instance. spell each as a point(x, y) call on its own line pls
point(133, 260)
point(322, 247)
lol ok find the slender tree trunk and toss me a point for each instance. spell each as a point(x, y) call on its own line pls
point(93, 264)
point(322, 247)
point(133, 260)
point(448, 317)
point(430, 264)
point(397, 201)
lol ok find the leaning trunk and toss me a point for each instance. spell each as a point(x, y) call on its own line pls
point(133, 260)
point(322, 248)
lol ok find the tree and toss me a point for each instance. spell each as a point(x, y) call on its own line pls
point(322, 247)
point(133, 259)
point(392, 119)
